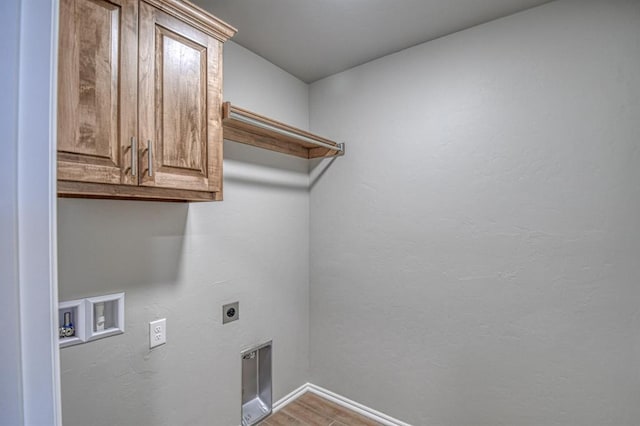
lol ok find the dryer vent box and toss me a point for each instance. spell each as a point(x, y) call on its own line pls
point(256, 384)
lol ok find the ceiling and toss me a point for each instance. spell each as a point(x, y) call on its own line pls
point(312, 39)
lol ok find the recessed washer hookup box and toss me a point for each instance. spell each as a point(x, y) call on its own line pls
point(256, 384)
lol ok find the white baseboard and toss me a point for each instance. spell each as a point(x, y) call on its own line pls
point(290, 397)
point(340, 400)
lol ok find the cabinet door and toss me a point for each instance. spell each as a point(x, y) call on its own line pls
point(179, 104)
point(97, 90)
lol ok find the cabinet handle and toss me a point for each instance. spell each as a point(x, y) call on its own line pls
point(150, 157)
point(134, 156)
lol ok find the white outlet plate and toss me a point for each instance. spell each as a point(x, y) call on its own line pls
point(157, 333)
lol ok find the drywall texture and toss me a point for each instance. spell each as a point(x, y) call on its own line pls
point(475, 253)
point(182, 262)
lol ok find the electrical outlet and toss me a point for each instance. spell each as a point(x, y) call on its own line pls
point(230, 312)
point(157, 333)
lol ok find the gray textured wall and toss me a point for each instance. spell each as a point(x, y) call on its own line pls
point(474, 256)
point(182, 262)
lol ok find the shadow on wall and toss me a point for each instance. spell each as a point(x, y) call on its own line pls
point(318, 167)
point(107, 246)
point(248, 165)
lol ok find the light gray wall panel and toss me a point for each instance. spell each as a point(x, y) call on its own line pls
point(475, 253)
point(183, 262)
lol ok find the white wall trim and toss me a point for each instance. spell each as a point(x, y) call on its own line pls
point(279, 404)
point(37, 224)
point(340, 400)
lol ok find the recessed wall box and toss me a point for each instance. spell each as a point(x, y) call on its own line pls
point(230, 312)
point(104, 316)
point(256, 384)
point(71, 323)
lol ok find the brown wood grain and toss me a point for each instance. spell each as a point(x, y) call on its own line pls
point(173, 102)
point(335, 411)
point(181, 106)
point(70, 189)
point(265, 142)
point(310, 417)
point(150, 70)
point(96, 88)
point(196, 17)
point(313, 410)
point(214, 119)
point(284, 139)
point(284, 419)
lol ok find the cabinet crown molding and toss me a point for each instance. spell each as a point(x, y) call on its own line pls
point(196, 17)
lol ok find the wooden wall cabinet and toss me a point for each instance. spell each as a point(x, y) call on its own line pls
point(139, 100)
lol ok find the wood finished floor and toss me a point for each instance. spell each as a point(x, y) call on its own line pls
point(312, 410)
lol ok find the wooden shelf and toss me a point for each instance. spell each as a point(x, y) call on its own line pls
point(240, 125)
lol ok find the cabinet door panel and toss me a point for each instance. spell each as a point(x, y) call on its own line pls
point(175, 103)
point(182, 101)
point(95, 92)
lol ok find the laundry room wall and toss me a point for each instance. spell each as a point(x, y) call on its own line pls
point(474, 255)
point(182, 262)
